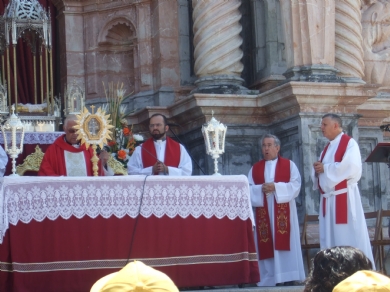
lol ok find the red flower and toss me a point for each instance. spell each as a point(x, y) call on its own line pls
point(126, 131)
point(121, 154)
point(111, 143)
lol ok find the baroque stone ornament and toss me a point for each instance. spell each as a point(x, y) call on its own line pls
point(217, 41)
point(93, 129)
point(376, 41)
point(348, 43)
point(309, 28)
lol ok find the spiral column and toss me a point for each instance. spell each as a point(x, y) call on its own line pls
point(217, 42)
point(349, 42)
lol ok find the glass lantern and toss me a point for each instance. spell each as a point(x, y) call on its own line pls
point(13, 133)
point(214, 137)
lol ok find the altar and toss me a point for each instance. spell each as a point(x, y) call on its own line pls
point(63, 234)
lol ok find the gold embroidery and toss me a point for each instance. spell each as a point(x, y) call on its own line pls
point(263, 231)
point(282, 220)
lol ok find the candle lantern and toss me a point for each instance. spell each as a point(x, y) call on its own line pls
point(214, 137)
point(13, 133)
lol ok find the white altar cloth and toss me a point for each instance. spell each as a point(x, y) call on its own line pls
point(35, 137)
point(36, 198)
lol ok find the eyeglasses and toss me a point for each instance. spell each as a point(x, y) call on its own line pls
point(267, 145)
point(72, 131)
point(151, 126)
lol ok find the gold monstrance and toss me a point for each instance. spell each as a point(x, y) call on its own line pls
point(93, 129)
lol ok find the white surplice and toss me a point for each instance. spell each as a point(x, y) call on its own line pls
point(286, 265)
point(355, 232)
point(135, 165)
point(3, 161)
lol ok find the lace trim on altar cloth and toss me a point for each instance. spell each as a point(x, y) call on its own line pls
point(31, 198)
point(36, 137)
point(120, 263)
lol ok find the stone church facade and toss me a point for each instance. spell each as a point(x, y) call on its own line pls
point(261, 66)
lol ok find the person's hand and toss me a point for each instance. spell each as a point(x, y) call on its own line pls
point(104, 156)
point(160, 167)
point(318, 167)
point(268, 188)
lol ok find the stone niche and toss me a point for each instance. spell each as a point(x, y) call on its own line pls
point(112, 57)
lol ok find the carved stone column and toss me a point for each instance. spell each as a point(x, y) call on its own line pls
point(217, 44)
point(309, 27)
point(349, 50)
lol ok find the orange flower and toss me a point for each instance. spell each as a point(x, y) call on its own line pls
point(121, 154)
point(126, 131)
point(111, 143)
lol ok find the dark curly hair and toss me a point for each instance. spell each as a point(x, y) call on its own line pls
point(332, 265)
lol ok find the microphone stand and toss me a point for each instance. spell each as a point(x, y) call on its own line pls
point(192, 158)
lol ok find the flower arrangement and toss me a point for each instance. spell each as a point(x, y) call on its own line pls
point(123, 140)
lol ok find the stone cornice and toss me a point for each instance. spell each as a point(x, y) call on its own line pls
point(86, 6)
point(277, 104)
point(374, 111)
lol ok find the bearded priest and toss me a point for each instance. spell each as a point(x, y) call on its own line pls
point(160, 155)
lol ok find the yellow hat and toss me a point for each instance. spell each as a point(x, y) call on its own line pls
point(135, 276)
point(364, 281)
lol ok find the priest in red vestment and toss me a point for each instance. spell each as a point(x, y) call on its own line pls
point(274, 183)
point(66, 157)
point(336, 175)
point(160, 155)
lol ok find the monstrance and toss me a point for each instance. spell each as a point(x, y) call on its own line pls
point(93, 129)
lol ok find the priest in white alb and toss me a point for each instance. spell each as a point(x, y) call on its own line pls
point(160, 155)
point(336, 175)
point(66, 157)
point(274, 183)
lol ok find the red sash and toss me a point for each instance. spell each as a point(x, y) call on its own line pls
point(341, 199)
point(171, 157)
point(281, 213)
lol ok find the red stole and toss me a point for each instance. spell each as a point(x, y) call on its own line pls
point(341, 199)
point(281, 212)
point(171, 157)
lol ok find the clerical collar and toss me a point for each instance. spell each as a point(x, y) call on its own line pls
point(337, 138)
point(74, 145)
point(273, 159)
point(160, 141)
